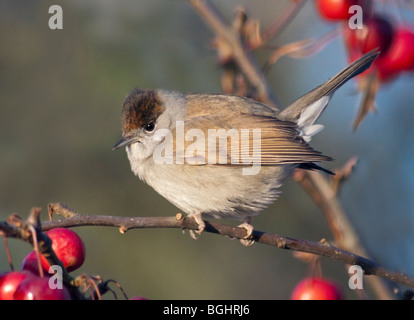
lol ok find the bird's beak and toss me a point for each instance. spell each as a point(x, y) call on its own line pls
point(125, 141)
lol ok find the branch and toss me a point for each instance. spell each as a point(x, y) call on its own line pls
point(283, 20)
point(241, 54)
point(179, 221)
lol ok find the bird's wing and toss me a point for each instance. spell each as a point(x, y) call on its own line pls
point(241, 140)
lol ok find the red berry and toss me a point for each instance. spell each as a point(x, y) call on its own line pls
point(377, 32)
point(68, 246)
point(9, 281)
point(400, 55)
point(37, 288)
point(337, 10)
point(316, 289)
point(30, 263)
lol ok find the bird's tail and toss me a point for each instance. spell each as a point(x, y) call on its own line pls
point(307, 109)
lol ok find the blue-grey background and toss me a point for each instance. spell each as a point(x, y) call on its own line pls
point(60, 100)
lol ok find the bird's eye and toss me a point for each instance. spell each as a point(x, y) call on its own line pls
point(150, 127)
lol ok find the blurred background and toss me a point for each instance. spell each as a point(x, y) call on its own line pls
point(60, 101)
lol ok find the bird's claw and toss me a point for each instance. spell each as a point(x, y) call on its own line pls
point(201, 226)
point(246, 241)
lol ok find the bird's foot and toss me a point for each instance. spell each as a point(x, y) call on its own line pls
point(201, 225)
point(247, 241)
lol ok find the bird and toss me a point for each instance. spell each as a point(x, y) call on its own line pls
point(221, 155)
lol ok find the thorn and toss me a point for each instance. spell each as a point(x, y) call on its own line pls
point(343, 174)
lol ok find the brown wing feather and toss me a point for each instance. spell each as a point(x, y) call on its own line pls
point(279, 142)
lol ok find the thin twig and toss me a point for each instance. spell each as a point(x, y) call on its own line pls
point(36, 249)
point(282, 20)
point(241, 54)
point(9, 259)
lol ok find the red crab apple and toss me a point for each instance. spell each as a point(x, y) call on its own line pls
point(68, 247)
point(9, 281)
point(36, 288)
point(337, 10)
point(377, 32)
point(314, 288)
point(29, 263)
point(400, 55)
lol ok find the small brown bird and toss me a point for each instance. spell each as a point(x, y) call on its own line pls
point(223, 156)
